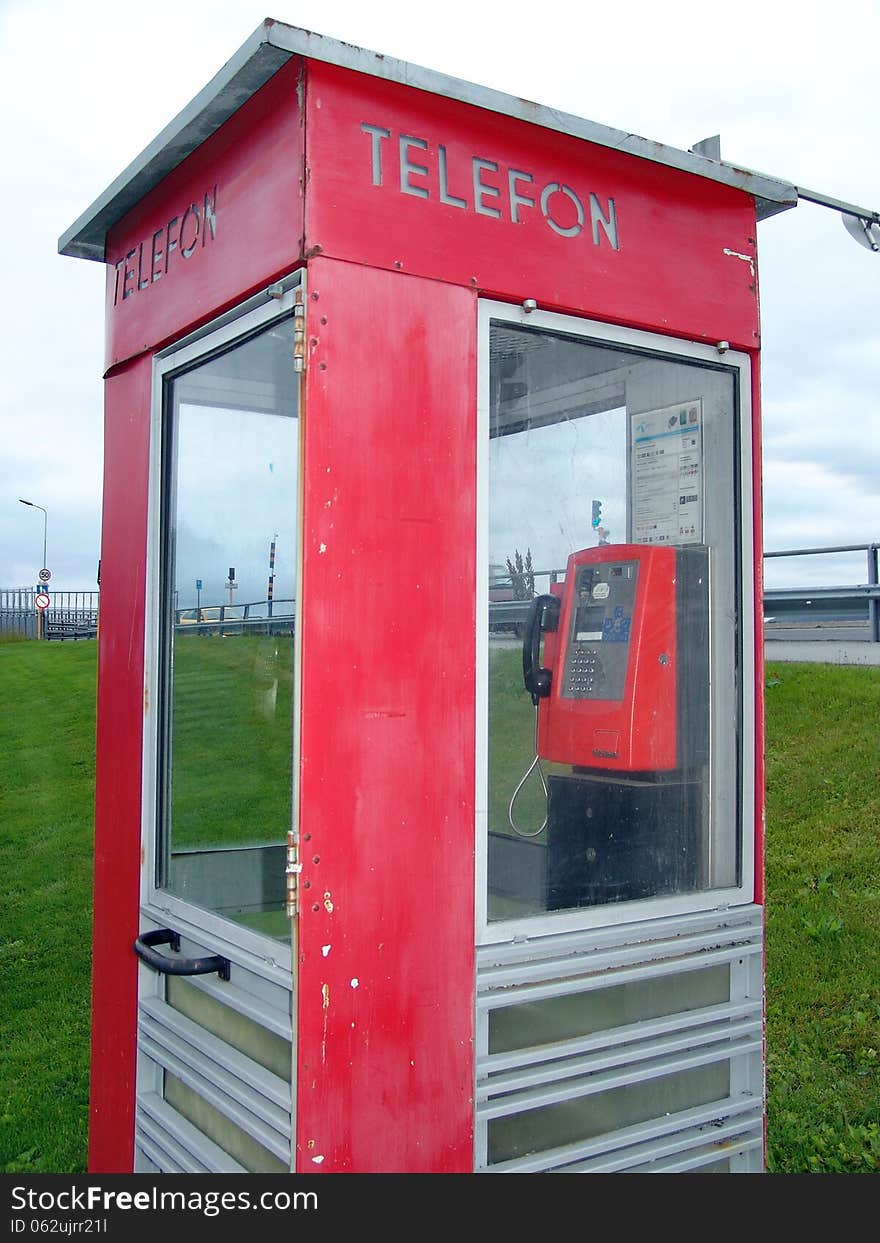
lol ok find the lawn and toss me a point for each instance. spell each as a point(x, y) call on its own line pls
point(823, 907)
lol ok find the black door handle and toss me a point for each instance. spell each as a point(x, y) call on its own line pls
point(143, 947)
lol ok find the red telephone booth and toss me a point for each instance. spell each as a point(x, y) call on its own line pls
point(395, 872)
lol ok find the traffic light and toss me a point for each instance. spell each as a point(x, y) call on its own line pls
point(597, 513)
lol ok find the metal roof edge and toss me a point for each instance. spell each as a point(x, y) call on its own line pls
point(273, 43)
point(242, 76)
point(772, 193)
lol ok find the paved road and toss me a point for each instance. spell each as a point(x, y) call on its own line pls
point(812, 633)
point(829, 643)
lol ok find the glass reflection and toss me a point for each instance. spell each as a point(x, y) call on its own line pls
point(230, 577)
point(600, 461)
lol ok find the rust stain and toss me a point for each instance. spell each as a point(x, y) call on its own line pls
point(325, 1004)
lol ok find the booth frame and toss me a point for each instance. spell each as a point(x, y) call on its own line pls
point(417, 1086)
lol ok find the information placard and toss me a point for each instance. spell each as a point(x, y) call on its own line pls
point(667, 474)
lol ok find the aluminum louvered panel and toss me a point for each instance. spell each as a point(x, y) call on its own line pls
point(681, 1043)
point(174, 1145)
point(254, 1103)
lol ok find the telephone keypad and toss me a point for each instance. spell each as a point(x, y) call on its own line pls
point(600, 631)
point(585, 672)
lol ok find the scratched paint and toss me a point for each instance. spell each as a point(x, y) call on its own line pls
point(736, 254)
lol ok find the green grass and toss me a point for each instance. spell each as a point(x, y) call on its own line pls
point(823, 880)
point(823, 919)
point(512, 748)
point(232, 736)
point(47, 735)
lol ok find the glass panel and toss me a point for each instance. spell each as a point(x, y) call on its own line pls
point(584, 1117)
point(614, 778)
point(256, 1042)
point(565, 1018)
point(230, 580)
point(225, 1134)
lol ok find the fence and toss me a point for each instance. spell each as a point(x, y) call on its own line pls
point(18, 613)
point(74, 614)
point(70, 615)
point(823, 605)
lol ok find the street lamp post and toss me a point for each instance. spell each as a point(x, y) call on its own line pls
point(45, 524)
point(33, 505)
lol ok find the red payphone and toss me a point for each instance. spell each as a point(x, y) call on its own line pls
point(622, 698)
point(624, 686)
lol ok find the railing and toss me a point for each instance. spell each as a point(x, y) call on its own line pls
point(260, 616)
point(18, 614)
point(842, 603)
point(75, 614)
point(71, 615)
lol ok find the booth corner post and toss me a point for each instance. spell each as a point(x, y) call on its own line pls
point(378, 888)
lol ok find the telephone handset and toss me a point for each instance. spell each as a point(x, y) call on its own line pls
point(624, 682)
point(543, 618)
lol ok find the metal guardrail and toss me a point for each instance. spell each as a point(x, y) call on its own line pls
point(856, 601)
point(70, 624)
point(257, 616)
point(74, 614)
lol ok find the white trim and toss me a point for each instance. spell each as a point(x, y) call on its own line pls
point(623, 912)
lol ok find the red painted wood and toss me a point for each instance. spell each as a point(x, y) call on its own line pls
point(686, 245)
point(386, 980)
point(385, 989)
point(119, 737)
point(250, 174)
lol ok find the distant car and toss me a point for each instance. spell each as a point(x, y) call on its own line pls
point(229, 613)
point(210, 617)
point(500, 584)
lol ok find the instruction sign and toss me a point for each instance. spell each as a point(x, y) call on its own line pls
point(667, 475)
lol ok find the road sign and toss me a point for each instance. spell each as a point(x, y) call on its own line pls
point(41, 600)
point(44, 575)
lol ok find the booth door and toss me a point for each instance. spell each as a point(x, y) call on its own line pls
point(215, 1031)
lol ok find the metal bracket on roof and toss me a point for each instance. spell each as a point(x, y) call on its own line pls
point(860, 223)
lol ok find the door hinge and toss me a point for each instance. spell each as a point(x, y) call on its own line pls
point(291, 871)
point(299, 331)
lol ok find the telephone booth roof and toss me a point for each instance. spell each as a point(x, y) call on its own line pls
point(274, 43)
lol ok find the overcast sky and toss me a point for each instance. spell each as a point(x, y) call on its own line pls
point(84, 87)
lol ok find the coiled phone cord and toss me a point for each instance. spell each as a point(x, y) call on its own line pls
point(536, 763)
